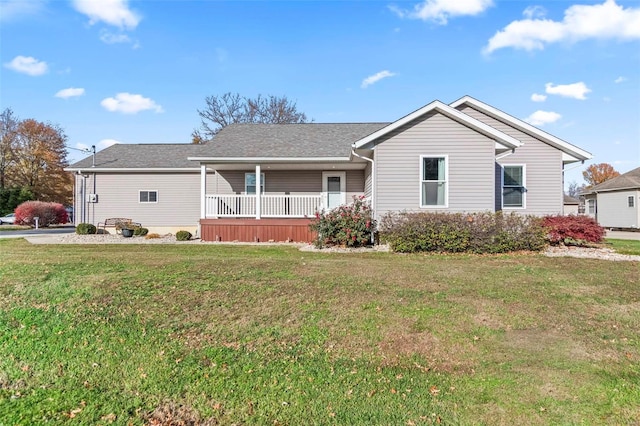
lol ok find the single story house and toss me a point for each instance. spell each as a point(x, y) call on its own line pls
point(572, 205)
point(260, 182)
point(614, 203)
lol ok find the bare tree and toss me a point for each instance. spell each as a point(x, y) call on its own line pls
point(230, 108)
point(574, 189)
point(8, 137)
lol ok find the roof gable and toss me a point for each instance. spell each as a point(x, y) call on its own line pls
point(571, 152)
point(501, 138)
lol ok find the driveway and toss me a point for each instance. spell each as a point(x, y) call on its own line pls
point(623, 235)
point(38, 233)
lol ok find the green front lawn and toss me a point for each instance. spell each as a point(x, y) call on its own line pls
point(144, 334)
point(625, 246)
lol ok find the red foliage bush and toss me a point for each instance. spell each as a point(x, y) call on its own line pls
point(48, 213)
point(574, 230)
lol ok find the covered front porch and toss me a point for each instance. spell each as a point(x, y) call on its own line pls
point(273, 201)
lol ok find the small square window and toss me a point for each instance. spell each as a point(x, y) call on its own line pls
point(631, 201)
point(148, 196)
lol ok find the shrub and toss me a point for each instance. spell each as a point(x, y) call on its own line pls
point(48, 213)
point(456, 232)
point(573, 230)
point(183, 235)
point(86, 228)
point(139, 231)
point(348, 225)
point(151, 236)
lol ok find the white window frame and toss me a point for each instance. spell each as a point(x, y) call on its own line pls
point(262, 183)
point(446, 181)
point(591, 206)
point(343, 187)
point(148, 191)
point(524, 187)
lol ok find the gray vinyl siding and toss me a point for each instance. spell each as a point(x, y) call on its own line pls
point(544, 183)
point(292, 182)
point(614, 210)
point(471, 166)
point(367, 180)
point(118, 196)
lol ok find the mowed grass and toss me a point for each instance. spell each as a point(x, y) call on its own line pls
point(625, 246)
point(215, 334)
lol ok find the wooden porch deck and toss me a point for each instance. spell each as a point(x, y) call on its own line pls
point(256, 230)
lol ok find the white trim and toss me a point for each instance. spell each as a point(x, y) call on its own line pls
point(325, 187)
point(503, 139)
point(132, 169)
point(446, 181)
point(631, 198)
point(524, 187)
point(203, 191)
point(148, 191)
point(573, 152)
point(269, 159)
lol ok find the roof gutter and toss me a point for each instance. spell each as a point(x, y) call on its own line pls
point(269, 159)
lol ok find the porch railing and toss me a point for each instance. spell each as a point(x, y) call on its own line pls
point(241, 205)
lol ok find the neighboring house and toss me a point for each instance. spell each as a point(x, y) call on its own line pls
point(572, 205)
point(265, 181)
point(614, 203)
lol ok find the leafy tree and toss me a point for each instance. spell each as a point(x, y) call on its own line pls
point(10, 198)
point(595, 174)
point(230, 108)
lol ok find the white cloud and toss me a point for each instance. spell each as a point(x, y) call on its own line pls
point(111, 38)
point(128, 103)
point(375, 78)
point(600, 21)
point(620, 79)
point(534, 12)
point(576, 90)
point(536, 97)
point(111, 12)
point(540, 118)
point(439, 11)
point(69, 93)
point(27, 65)
point(13, 10)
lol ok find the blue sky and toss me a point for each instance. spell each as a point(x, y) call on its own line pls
point(137, 71)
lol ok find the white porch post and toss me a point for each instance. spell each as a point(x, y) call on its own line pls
point(203, 191)
point(258, 194)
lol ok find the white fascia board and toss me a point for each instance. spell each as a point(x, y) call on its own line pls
point(500, 138)
point(131, 169)
point(269, 159)
point(572, 150)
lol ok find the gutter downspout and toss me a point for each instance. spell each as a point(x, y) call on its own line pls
point(373, 183)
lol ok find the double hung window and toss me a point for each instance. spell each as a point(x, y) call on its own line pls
point(433, 181)
point(250, 183)
point(513, 186)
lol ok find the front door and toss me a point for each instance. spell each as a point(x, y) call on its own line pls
point(334, 189)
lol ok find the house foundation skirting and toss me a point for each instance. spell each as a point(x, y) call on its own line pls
point(254, 230)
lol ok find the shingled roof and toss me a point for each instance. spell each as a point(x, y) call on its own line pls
point(629, 180)
point(315, 140)
point(142, 156)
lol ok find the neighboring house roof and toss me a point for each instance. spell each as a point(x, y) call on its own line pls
point(569, 200)
point(503, 139)
point(629, 180)
point(285, 141)
point(572, 152)
point(140, 157)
